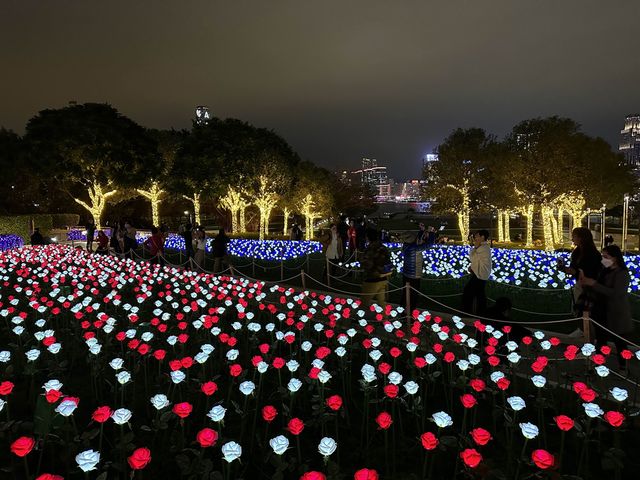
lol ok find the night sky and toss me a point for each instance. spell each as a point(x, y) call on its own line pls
point(338, 79)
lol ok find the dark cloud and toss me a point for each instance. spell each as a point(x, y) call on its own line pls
point(339, 79)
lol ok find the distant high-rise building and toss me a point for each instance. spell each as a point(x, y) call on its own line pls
point(428, 159)
point(630, 140)
point(202, 115)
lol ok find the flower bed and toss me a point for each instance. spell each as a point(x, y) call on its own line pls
point(10, 241)
point(113, 366)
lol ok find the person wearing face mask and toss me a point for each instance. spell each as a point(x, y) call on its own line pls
point(611, 300)
point(584, 257)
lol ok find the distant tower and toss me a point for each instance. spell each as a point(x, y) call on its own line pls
point(202, 115)
point(630, 141)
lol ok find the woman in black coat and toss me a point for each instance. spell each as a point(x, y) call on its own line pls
point(585, 257)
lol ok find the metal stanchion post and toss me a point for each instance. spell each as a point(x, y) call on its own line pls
point(304, 283)
point(281, 269)
point(407, 298)
point(328, 271)
point(586, 326)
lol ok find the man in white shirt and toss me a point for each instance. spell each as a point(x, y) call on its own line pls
point(474, 299)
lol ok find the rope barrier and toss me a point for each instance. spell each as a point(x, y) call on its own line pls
point(629, 342)
point(527, 311)
point(510, 322)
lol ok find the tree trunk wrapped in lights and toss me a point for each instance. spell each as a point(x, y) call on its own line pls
point(307, 208)
point(547, 226)
point(554, 227)
point(463, 212)
point(195, 200)
point(560, 225)
point(153, 195)
point(500, 229)
point(505, 225)
point(527, 212)
point(265, 200)
point(285, 213)
point(98, 200)
point(574, 204)
point(234, 202)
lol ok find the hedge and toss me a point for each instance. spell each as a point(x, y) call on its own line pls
point(21, 225)
point(65, 220)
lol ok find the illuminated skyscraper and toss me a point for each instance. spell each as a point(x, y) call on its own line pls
point(202, 115)
point(630, 141)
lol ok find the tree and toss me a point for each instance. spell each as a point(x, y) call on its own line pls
point(235, 202)
point(91, 147)
point(458, 179)
point(168, 144)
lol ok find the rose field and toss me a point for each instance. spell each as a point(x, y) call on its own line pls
point(114, 368)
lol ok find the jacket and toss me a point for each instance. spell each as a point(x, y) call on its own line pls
point(412, 259)
point(481, 261)
point(611, 306)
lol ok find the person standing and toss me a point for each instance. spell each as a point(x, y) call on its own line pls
point(199, 245)
point(474, 298)
point(332, 248)
point(36, 237)
point(421, 236)
point(91, 231)
point(219, 250)
point(587, 258)
point(129, 240)
point(376, 264)
point(343, 233)
point(187, 235)
point(611, 299)
point(352, 238)
point(412, 266)
point(155, 244)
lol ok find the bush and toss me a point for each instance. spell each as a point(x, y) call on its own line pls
point(65, 220)
point(21, 225)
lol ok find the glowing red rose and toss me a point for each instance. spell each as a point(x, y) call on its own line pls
point(235, 370)
point(187, 362)
point(480, 436)
point(626, 354)
point(384, 420)
point(384, 368)
point(543, 459)
point(139, 459)
point(22, 446)
point(449, 357)
point(395, 352)
point(334, 402)
point(175, 365)
point(209, 388)
point(503, 383)
point(295, 426)
point(588, 395)
point(468, 400)
point(615, 419)
point(579, 387)
point(322, 352)
point(159, 354)
point(49, 476)
point(598, 359)
point(314, 372)
point(493, 361)
point(183, 410)
point(366, 474)
point(269, 413)
point(278, 363)
point(429, 441)
point(6, 387)
point(391, 390)
point(564, 423)
point(471, 457)
point(207, 437)
point(420, 362)
point(313, 475)
point(53, 396)
point(101, 414)
point(477, 384)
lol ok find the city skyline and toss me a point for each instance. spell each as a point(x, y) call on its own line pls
point(338, 81)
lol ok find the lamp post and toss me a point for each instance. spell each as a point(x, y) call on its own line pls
point(186, 214)
point(602, 221)
point(625, 222)
point(588, 219)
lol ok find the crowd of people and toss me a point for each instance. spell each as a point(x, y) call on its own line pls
point(601, 288)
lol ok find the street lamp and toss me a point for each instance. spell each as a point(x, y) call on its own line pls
point(625, 222)
point(602, 221)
